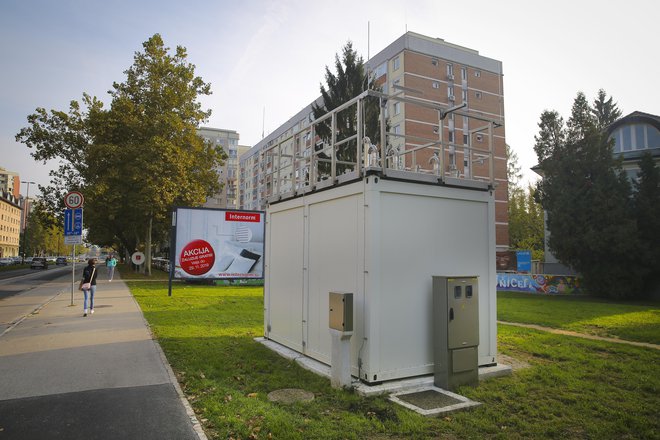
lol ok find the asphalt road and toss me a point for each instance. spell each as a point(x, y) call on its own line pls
point(22, 291)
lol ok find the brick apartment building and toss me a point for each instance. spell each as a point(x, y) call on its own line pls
point(415, 69)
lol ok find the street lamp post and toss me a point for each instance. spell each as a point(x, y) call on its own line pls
point(25, 216)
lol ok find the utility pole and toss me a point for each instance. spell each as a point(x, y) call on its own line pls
point(25, 216)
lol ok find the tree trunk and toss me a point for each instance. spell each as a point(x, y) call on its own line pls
point(147, 246)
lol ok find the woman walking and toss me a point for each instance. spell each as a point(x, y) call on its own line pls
point(88, 285)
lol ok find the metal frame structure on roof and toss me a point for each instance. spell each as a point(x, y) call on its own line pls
point(304, 161)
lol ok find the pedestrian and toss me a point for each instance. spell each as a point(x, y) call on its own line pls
point(111, 263)
point(88, 285)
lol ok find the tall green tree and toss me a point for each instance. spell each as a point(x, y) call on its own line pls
point(587, 199)
point(605, 110)
point(348, 82)
point(647, 211)
point(513, 170)
point(138, 159)
point(64, 137)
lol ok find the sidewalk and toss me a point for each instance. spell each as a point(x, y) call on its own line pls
point(65, 376)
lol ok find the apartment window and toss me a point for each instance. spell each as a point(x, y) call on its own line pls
point(396, 63)
point(436, 85)
point(480, 138)
point(466, 139)
point(463, 73)
point(434, 61)
point(640, 141)
point(477, 95)
point(380, 70)
point(451, 136)
point(396, 129)
point(627, 142)
point(450, 70)
point(397, 108)
point(477, 73)
point(464, 95)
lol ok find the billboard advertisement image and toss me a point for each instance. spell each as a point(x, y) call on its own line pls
point(218, 243)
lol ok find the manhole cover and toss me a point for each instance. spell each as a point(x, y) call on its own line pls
point(429, 399)
point(290, 395)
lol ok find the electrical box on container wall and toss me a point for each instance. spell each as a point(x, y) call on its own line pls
point(341, 311)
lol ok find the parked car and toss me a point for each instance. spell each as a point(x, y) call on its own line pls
point(39, 263)
point(61, 261)
point(6, 262)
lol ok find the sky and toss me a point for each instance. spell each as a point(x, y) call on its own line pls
point(269, 57)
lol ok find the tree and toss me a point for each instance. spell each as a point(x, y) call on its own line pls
point(647, 211)
point(605, 110)
point(57, 135)
point(349, 81)
point(139, 158)
point(587, 199)
point(513, 170)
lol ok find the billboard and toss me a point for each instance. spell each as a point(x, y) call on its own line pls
point(218, 243)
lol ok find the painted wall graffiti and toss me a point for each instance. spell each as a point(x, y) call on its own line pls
point(552, 284)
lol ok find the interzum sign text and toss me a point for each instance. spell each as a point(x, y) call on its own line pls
point(242, 217)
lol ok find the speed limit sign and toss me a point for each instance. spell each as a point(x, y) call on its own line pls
point(74, 199)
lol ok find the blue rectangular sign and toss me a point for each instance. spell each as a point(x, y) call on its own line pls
point(73, 220)
point(524, 261)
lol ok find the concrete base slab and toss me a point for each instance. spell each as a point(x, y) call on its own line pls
point(432, 401)
point(389, 387)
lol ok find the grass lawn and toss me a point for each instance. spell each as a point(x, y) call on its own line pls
point(633, 321)
point(575, 388)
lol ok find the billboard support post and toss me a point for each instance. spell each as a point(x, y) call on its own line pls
point(172, 249)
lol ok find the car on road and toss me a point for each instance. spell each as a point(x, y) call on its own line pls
point(61, 261)
point(39, 263)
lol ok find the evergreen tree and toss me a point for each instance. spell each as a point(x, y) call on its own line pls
point(647, 211)
point(551, 136)
point(605, 110)
point(513, 173)
point(588, 203)
point(349, 81)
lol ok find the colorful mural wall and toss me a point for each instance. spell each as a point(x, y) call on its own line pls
point(551, 284)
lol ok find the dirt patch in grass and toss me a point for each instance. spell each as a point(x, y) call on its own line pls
point(515, 364)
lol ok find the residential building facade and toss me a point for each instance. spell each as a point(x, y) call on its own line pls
point(10, 182)
point(228, 173)
point(10, 224)
point(634, 135)
point(458, 83)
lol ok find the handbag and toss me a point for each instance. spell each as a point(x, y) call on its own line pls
point(87, 286)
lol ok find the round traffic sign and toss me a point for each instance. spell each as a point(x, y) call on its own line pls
point(74, 199)
point(137, 258)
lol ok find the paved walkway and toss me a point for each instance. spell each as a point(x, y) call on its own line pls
point(65, 376)
point(581, 335)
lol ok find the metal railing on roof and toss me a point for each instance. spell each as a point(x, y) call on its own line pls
point(345, 144)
